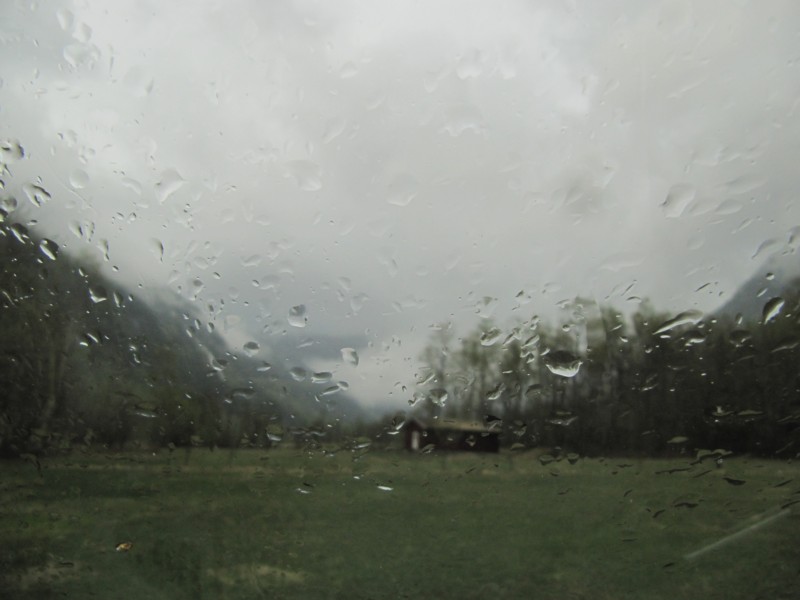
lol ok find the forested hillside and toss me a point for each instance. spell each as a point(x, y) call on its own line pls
point(84, 360)
point(598, 382)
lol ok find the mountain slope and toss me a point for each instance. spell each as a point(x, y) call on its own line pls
point(778, 276)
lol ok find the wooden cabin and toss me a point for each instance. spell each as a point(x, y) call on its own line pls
point(450, 434)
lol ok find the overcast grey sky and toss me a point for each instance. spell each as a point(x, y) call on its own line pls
point(391, 164)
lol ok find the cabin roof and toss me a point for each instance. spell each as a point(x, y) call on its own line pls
point(451, 425)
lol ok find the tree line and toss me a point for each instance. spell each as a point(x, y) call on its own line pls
point(83, 361)
point(600, 382)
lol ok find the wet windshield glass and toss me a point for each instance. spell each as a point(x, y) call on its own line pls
point(381, 300)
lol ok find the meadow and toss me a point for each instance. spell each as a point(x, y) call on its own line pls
point(288, 523)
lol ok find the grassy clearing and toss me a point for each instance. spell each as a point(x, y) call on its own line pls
point(284, 524)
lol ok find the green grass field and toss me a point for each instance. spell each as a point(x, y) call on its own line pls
point(290, 524)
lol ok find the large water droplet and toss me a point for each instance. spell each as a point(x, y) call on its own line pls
point(678, 199)
point(19, 231)
point(491, 337)
point(350, 356)
point(157, 247)
point(694, 337)
point(298, 373)
point(438, 396)
point(685, 318)
point(11, 151)
point(8, 204)
point(251, 348)
point(739, 337)
point(36, 194)
point(334, 389)
point(772, 309)
point(486, 306)
point(533, 392)
point(275, 433)
point(297, 316)
point(252, 261)
point(496, 392)
point(78, 179)
point(562, 363)
point(169, 183)
point(321, 377)
point(218, 364)
point(766, 246)
point(98, 294)
point(49, 248)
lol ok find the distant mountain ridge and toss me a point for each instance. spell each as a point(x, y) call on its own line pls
point(779, 275)
point(244, 378)
point(84, 357)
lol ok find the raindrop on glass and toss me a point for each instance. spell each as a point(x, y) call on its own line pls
point(98, 294)
point(298, 373)
point(772, 309)
point(251, 348)
point(491, 337)
point(49, 248)
point(689, 317)
point(169, 183)
point(321, 377)
point(78, 179)
point(36, 194)
point(562, 363)
point(297, 316)
point(20, 232)
point(350, 356)
point(10, 151)
point(8, 204)
point(157, 247)
point(438, 396)
point(678, 199)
